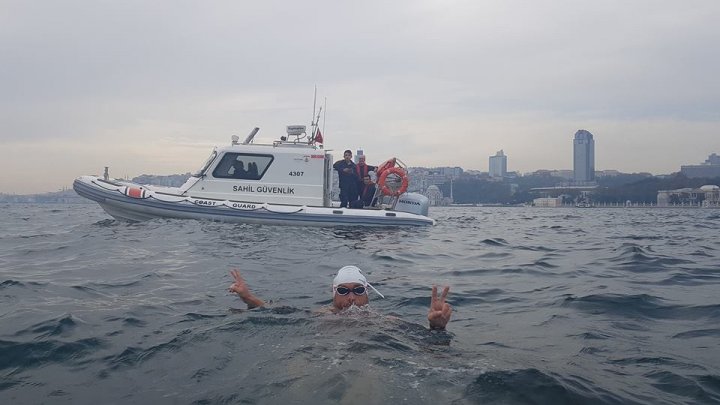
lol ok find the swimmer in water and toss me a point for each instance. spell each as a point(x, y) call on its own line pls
point(350, 288)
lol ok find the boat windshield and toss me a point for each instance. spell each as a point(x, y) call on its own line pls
point(207, 164)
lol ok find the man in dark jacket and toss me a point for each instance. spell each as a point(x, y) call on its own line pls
point(347, 179)
point(367, 192)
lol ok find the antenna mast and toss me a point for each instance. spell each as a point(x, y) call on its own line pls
point(315, 123)
point(325, 116)
point(312, 122)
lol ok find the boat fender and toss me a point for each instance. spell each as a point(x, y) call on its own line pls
point(135, 192)
point(383, 179)
point(279, 209)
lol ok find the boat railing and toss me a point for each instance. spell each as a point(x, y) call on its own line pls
point(393, 182)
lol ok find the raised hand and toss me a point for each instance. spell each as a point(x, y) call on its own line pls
point(240, 288)
point(440, 311)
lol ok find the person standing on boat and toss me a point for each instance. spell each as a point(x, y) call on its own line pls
point(350, 288)
point(362, 169)
point(347, 179)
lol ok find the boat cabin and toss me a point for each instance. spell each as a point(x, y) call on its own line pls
point(289, 171)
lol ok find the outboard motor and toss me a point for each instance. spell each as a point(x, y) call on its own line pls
point(413, 203)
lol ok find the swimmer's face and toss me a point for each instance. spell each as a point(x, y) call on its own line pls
point(351, 298)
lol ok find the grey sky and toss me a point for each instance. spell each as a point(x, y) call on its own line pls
point(151, 86)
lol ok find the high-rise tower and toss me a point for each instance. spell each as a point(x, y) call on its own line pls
point(583, 157)
point(498, 165)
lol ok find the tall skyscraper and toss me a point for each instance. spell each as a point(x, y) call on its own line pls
point(583, 157)
point(498, 165)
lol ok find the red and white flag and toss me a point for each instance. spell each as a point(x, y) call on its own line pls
point(318, 136)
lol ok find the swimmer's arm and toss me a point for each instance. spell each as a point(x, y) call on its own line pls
point(241, 289)
point(252, 301)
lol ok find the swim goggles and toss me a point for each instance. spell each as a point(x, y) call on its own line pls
point(359, 290)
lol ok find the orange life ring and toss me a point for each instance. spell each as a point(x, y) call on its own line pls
point(397, 171)
point(390, 163)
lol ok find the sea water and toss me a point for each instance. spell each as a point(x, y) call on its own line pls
point(551, 306)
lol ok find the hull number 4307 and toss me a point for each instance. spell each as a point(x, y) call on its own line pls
point(296, 173)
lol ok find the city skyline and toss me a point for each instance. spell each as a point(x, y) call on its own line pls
point(560, 172)
point(710, 168)
point(151, 88)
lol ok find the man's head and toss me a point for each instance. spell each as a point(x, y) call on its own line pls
point(350, 288)
point(361, 159)
point(367, 179)
point(347, 155)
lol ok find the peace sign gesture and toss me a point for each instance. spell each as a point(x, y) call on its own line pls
point(240, 288)
point(440, 311)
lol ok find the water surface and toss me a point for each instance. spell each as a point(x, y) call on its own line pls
point(551, 306)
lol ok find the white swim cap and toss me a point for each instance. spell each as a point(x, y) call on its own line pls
point(352, 274)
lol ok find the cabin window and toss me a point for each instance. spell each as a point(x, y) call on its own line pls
point(209, 161)
point(244, 166)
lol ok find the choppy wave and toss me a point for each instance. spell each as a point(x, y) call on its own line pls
point(531, 386)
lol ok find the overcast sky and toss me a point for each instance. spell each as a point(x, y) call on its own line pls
point(149, 87)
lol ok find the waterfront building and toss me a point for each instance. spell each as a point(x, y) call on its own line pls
point(435, 196)
point(710, 168)
point(498, 165)
point(583, 157)
point(712, 196)
point(548, 202)
point(705, 196)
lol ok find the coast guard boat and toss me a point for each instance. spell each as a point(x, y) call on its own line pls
point(287, 182)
